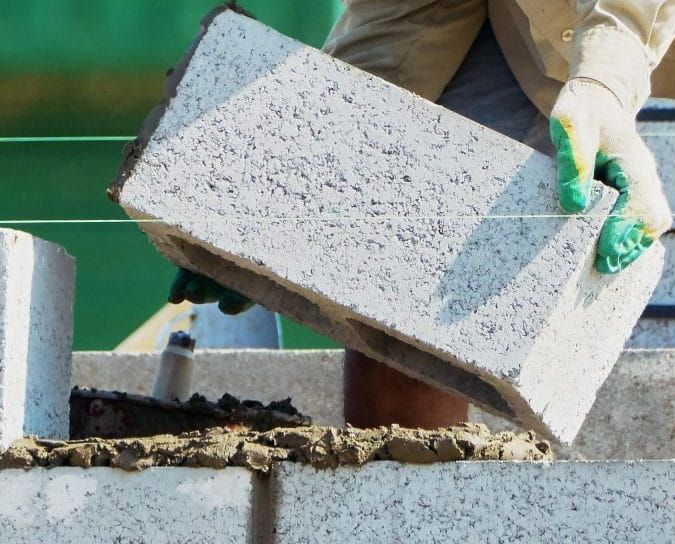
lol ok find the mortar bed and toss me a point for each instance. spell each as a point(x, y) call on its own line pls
point(321, 447)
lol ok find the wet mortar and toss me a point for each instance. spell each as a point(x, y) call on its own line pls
point(321, 447)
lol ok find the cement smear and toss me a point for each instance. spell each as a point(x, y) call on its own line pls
point(322, 447)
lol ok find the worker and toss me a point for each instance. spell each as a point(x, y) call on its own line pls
point(565, 77)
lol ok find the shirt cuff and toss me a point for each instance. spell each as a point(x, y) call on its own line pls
point(616, 59)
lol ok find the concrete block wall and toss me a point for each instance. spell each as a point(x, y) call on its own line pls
point(481, 502)
point(102, 505)
point(660, 138)
point(290, 218)
point(632, 418)
point(37, 280)
point(653, 332)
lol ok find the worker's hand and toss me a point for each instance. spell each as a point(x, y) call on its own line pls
point(596, 137)
point(201, 290)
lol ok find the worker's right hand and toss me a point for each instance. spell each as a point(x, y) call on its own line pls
point(596, 137)
point(201, 290)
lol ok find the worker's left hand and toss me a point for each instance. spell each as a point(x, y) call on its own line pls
point(596, 137)
point(202, 290)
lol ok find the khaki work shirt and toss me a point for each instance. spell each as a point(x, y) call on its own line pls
point(419, 44)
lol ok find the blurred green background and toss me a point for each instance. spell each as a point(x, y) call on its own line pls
point(83, 68)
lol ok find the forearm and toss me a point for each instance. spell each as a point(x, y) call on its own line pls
point(619, 43)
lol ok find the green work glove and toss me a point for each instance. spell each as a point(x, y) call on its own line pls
point(201, 290)
point(596, 137)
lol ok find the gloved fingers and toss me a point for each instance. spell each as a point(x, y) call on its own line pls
point(203, 290)
point(641, 213)
point(621, 242)
point(576, 144)
point(180, 282)
point(233, 303)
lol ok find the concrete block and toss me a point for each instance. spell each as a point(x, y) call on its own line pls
point(103, 505)
point(37, 280)
point(353, 206)
point(659, 333)
point(632, 418)
point(653, 334)
point(476, 502)
point(634, 415)
point(312, 378)
point(665, 290)
point(660, 138)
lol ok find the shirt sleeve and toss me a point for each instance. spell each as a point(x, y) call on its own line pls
point(619, 43)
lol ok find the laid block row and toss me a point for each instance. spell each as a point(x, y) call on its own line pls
point(481, 502)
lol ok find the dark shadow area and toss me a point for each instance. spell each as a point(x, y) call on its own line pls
point(441, 372)
point(257, 287)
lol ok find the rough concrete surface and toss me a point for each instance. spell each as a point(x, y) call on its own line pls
point(482, 503)
point(353, 206)
point(632, 418)
point(311, 378)
point(37, 280)
point(162, 506)
point(660, 138)
point(322, 447)
point(660, 332)
point(653, 334)
point(665, 290)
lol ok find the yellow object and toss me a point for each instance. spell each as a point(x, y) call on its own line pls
point(154, 333)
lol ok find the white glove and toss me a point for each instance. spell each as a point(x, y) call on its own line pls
point(596, 137)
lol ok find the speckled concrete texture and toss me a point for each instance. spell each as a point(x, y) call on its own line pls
point(312, 378)
point(478, 502)
point(660, 138)
point(650, 333)
point(103, 505)
point(665, 290)
point(632, 418)
point(37, 281)
point(481, 502)
point(351, 205)
point(653, 334)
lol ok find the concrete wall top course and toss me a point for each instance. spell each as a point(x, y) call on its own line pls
point(265, 156)
point(102, 505)
point(633, 416)
point(477, 502)
point(660, 138)
point(665, 290)
point(481, 502)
